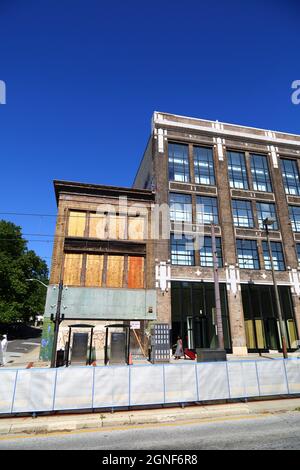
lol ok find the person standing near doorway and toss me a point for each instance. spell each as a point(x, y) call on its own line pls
point(179, 348)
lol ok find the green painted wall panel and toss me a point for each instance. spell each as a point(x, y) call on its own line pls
point(103, 304)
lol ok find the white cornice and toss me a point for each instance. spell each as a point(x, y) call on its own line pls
point(269, 137)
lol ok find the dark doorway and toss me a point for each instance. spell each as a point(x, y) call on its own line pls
point(194, 316)
point(80, 348)
point(261, 318)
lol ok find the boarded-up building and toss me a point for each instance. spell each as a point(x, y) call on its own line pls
point(104, 258)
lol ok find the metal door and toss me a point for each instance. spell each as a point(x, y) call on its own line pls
point(80, 348)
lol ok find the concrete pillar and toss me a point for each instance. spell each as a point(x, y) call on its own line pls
point(237, 324)
point(296, 305)
point(235, 306)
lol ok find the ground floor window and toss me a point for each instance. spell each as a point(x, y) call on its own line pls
point(194, 316)
point(261, 317)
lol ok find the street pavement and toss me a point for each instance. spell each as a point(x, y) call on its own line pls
point(257, 432)
point(21, 351)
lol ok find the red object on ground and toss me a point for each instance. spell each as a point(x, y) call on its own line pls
point(130, 359)
point(190, 354)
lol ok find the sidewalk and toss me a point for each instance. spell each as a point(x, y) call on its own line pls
point(32, 358)
point(195, 413)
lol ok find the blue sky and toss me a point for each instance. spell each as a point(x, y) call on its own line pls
point(83, 78)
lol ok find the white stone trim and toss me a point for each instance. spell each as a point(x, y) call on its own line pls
point(268, 137)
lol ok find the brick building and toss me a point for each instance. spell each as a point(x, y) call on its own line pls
point(234, 177)
point(104, 257)
point(123, 265)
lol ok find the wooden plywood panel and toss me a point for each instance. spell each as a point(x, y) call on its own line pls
point(97, 226)
point(115, 269)
point(136, 228)
point(135, 272)
point(77, 223)
point(117, 227)
point(94, 270)
point(72, 269)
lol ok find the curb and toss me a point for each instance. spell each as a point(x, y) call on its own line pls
point(100, 421)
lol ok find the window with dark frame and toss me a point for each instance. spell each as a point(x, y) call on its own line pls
point(182, 250)
point(237, 170)
point(260, 173)
point(266, 210)
point(277, 255)
point(207, 210)
point(298, 252)
point(247, 254)
point(204, 165)
point(290, 176)
point(294, 212)
point(180, 207)
point(242, 213)
point(206, 253)
point(179, 168)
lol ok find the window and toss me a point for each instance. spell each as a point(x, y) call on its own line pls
point(260, 173)
point(179, 169)
point(207, 210)
point(237, 170)
point(181, 207)
point(94, 270)
point(266, 210)
point(206, 254)
point(298, 252)
point(182, 251)
point(77, 224)
point(242, 213)
point(295, 217)
point(117, 226)
point(72, 269)
point(104, 270)
point(247, 254)
point(136, 272)
point(290, 176)
point(204, 166)
point(277, 256)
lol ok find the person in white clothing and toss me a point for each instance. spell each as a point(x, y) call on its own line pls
point(3, 348)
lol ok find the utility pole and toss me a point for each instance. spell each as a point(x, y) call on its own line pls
point(267, 222)
point(57, 321)
point(220, 333)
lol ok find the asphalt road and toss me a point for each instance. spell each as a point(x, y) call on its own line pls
point(280, 431)
point(19, 347)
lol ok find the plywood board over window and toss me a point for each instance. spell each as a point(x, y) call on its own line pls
point(94, 270)
point(136, 228)
point(98, 224)
point(77, 223)
point(135, 272)
point(117, 227)
point(115, 269)
point(72, 269)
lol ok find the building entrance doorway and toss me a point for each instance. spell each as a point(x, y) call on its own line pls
point(193, 315)
point(80, 348)
point(261, 318)
point(80, 345)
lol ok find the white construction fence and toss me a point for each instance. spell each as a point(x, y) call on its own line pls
point(79, 388)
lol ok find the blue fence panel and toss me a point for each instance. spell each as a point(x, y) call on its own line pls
point(74, 388)
point(272, 377)
point(37, 390)
point(180, 383)
point(34, 390)
point(213, 381)
point(111, 387)
point(242, 379)
point(292, 367)
point(146, 385)
point(7, 388)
